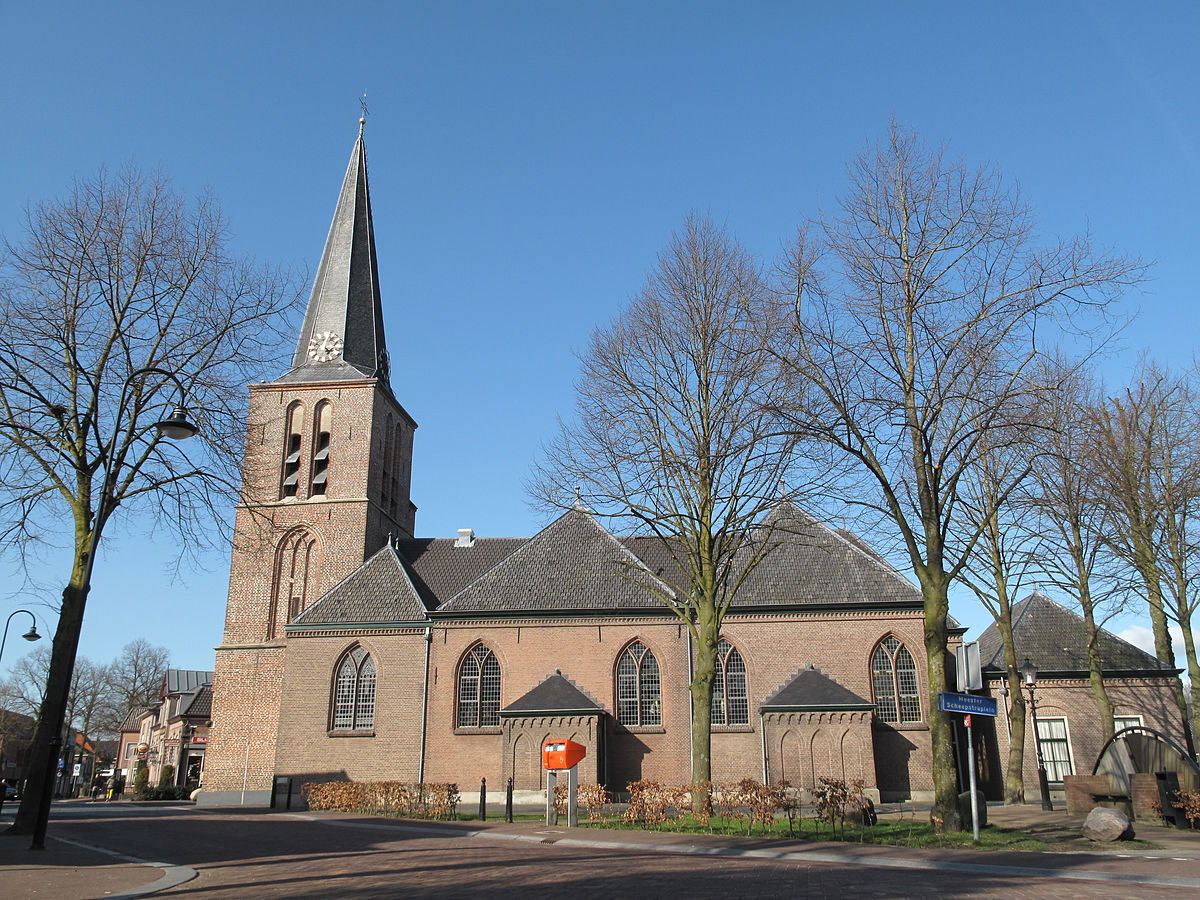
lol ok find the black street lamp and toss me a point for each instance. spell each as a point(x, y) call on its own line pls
point(1029, 674)
point(175, 427)
point(30, 635)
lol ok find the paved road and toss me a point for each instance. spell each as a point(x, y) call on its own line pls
point(253, 854)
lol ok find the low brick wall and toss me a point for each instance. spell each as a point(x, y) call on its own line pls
point(1143, 789)
point(1079, 790)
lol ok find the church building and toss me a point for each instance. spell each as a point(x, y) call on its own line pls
point(354, 649)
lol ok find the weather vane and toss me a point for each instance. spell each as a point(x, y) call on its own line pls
point(362, 119)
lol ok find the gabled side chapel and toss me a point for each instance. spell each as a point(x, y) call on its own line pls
point(355, 650)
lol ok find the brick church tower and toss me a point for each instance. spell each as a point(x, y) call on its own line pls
point(325, 481)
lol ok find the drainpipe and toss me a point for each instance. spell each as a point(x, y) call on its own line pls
point(762, 730)
point(424, 705)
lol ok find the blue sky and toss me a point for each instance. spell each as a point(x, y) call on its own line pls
point(528, 160)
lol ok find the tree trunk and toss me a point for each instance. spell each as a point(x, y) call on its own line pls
point(1151, 577)
point(1193, 670)
point(1096, 668)
point(701, 690)
point(944, 814)
point(47, 739)
point(1014, 775)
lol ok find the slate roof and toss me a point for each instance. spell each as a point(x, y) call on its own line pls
point(812, 689)
point(199, 704)
point(184, 681)
point(1053, 637)
point(572, 564)
point(345, 296)
point(133, 720)
point(556, 694)
point(377, 592)
point(575, 565)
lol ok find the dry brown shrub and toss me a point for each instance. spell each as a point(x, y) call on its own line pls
point(595, 801)
point(390, 798)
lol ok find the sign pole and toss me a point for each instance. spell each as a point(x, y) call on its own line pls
point(974, 796)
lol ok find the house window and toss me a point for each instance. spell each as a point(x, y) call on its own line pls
point(1056, 748)
point(321, 439)
point(291, 451)
point(479, 689)
point(730, 705)
point(894, 681)
point(1120, 722)
point(639, 687)
point(354, 692)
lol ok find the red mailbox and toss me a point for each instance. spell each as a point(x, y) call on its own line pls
point(560, 754)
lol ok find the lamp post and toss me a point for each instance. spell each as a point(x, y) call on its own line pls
point(176, 427)
point(1029, 674)
point(30, 635)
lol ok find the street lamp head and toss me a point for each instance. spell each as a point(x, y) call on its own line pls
point(31, 634)
point(177, 427)
point(1028, 672)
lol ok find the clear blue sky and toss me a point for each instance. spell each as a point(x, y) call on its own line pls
point(528, 160)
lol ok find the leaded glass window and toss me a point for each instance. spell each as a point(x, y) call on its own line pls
point(639, 687)
point(1056, 748)
point(479, 689)
point(730, 704)
point(894, 682)
point(354, 692)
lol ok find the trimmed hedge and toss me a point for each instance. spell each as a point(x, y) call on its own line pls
point(384, 798)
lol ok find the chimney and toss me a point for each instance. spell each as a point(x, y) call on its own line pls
point(466, 538)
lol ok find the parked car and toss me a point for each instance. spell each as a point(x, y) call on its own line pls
point(10, 792)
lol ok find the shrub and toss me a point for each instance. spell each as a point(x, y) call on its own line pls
point(388, 798)
point(1189, 802)
point(166, 777)
point(141, 778)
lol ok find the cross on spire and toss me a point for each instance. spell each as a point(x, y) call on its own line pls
point(362, 120)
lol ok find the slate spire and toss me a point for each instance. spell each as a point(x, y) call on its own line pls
point(342, 335)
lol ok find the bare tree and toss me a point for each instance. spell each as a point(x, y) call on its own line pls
point(120, 276)
point(135, 678)
point(1147, 457)
point(672, 434)
point(1072, 514)
point(918, 305)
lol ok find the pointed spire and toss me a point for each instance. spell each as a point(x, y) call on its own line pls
point(342, 335)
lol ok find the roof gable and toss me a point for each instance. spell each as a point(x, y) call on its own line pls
point(555, 694)
point(811, 689)
point(1054, 638)
point(573, 563)
point(377, 592)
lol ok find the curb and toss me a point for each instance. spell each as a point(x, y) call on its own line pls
point(171, 877)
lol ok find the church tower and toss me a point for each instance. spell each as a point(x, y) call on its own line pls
point(325, 481)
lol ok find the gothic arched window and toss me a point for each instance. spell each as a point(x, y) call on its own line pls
point(354, 692)
point(322, 435)
point(290, 474)
point(295, 571)
point(639, 687)
point(894, 682)
point(730, 703)
point(479, 689)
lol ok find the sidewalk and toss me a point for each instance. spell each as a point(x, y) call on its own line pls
point(66, 869)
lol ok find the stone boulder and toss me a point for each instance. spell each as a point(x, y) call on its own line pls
point(1104, 824)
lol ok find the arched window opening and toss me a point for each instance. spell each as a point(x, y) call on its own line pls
point(479, 689)
point(354, 692)
point(295, 578)
point(730, 703)
point(639, 687)
point(320, 465)
point(894, 681)
point(290, 479)
point(388, 479)
point(397, 468)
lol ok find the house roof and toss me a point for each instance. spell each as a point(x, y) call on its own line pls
point(199, 704)
point(555, 694)
point(377, 592)
point(133, 719)
point(574, 565)
point(1054, 638)
point(811, 689)
point(183, 681)
point(345, 299)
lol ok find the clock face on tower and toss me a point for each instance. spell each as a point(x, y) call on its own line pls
point(324, 346)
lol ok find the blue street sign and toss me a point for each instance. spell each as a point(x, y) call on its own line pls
point(967, 703)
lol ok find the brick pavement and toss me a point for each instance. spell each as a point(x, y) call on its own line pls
point(255, 854)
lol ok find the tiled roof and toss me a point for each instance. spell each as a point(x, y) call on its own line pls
point(377, 592)
point(183, 681)
point(571, 564)
point(811, 689)
point(133, 720)
point(1053, 637)
point(556, 694)
point(576, 565)
point(199, 704)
